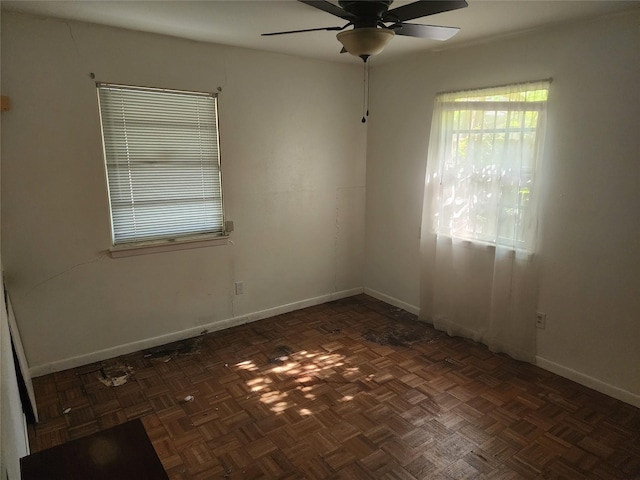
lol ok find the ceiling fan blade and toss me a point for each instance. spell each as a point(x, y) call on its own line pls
point(329, 8)
point(432, 32)
point(422, 8)
point(304, 30)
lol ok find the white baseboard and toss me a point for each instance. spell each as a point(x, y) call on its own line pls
point(392, 301)
point(591, 382)
point(136, 346)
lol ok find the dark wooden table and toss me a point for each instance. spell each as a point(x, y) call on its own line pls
point(123, 452)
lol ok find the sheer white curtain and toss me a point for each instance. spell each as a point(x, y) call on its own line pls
point(480, 220)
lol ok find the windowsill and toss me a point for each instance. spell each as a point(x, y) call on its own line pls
point(160, 246)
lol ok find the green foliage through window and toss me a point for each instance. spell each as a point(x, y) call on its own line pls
point(488, 154)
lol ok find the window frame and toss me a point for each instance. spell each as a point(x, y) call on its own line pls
point(175, 240)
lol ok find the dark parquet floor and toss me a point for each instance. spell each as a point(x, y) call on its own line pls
point(352, 389)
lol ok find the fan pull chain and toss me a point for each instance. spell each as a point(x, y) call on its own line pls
point(365, 92)
point(368, 86)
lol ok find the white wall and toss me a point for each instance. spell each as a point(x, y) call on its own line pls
point(590, 280)
point(293, 160)
point(13, 436)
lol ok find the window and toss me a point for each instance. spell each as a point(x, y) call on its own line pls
point(485, 154)
point(162, 162)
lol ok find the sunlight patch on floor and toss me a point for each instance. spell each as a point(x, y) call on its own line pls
point(305, 368)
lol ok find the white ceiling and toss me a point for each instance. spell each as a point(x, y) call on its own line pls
point(240, 22)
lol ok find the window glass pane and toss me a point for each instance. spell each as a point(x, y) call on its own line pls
point(489, 120)
point(516, 119)
point(531, 119)
point(501, 119)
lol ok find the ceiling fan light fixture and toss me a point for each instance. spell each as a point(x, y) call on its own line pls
point(364, 42)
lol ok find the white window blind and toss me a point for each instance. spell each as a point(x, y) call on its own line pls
point(162, 161)
point(485, 155)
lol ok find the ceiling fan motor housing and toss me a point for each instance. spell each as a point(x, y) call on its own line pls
point(367, 13)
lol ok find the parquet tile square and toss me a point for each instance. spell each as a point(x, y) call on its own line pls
point(351, 389)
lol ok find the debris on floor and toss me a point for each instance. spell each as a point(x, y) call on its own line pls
point(115, 375)
point(168, 352)
point(282, 354)
point(400, 337)
point(331, 329)
point(452, 362)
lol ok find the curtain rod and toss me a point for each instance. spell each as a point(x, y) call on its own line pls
point(549, 80)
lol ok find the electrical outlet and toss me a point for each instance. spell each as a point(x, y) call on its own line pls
point(239, 288)
point(541, 320)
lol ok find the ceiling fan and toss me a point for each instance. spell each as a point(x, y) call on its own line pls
point(374, 24)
